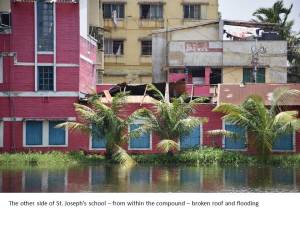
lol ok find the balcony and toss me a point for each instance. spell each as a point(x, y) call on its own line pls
point(151, 23)
point(110, 24)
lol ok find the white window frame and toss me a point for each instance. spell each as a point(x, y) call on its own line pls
point(1, 134)
point(139, 122)
point(151, 6)
point(45, 135)
point(294, 145)
point(233, 150)
point(110, 45)
point(202, 8)
point(1, 70)
point(38, 76)
point(201, 138)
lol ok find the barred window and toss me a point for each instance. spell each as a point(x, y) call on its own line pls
point(45, 78)
point(194, 11)
point(108, 10)
point(113, 47)
point(151, 11)
point(146, 47)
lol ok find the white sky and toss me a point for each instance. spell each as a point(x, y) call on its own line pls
point(243, 9)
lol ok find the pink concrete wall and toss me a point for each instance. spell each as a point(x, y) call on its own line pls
point(23, 31)
point(87, 78)
point(67, 33)
point(67, 79)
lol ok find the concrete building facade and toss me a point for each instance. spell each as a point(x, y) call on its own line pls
point(129, 24)
point(48, 61)
point(201, 53)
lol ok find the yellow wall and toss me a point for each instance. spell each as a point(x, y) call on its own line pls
point(132, 30)
point(234, 75)
point(5, 5)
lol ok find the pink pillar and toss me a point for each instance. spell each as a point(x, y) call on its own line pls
point(207, 75)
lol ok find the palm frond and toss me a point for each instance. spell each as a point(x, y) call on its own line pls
point(166, 146)
point(75, 126)
point(121, 156)
point(223, 133)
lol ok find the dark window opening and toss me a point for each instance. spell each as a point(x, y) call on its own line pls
point(248, 76)
point(197, 75)
point(146, 48)
point(151, 11)
point(45, 78)
point(110, 9)
point(45, 26)
point(4, 19)
point(216, 76)
point(192, 11)
point(113, 47)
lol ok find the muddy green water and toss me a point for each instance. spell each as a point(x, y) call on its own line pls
point(111, 178)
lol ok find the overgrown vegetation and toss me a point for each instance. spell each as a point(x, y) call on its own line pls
point(210, 156)
point(56, 159)
point(264, 125)
point(199, 157)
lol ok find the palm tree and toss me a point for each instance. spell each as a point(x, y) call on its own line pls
point(279, 14)
point(104, 121)
point(263, 124)
point(276, 14)
point(169, 120)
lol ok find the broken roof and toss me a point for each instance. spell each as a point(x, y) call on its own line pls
point(236, 94)
point(226, 22)
point(249, 24)
point(186, 27)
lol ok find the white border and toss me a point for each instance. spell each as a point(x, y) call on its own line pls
point(1, 70)
point(45, 135)
point(40, 94)
point(1, 134)
point(139, 149)
point(35, 46)
point(234, 150)
point(54, 45)
point(36, 52)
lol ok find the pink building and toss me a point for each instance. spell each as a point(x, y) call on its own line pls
point(47, 61)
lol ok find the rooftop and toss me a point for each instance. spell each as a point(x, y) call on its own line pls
point(236, 93)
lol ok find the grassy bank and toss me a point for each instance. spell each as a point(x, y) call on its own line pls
point(207, 156)
point(216, 157)
point(49, 159)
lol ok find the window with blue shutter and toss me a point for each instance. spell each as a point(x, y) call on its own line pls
point(98, 140)
point(235, 143)
point(57, 136)
point(284, 143)
point(142, 142)
point(34, 133)
point(191, 140)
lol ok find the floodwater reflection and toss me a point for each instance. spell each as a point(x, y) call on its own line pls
point(113, 178)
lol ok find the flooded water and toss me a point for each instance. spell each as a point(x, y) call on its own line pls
point(111, 178)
